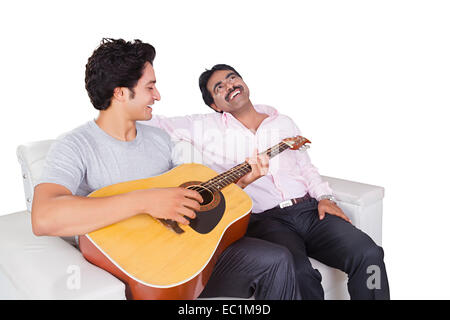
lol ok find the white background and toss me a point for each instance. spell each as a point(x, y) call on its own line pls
point(366, 81)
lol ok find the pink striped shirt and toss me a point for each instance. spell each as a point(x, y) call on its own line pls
point(224, 142)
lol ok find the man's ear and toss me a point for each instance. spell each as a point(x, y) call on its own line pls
point(119, 93)
point(213, 105)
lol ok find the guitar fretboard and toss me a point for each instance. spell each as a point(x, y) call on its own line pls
point(237, 172)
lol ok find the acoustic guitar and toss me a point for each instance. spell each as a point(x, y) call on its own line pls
point(159, 259)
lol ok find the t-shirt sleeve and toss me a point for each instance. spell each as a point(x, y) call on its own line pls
point(64, 165)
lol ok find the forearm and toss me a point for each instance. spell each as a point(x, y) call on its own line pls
point(69, 215)
point(316, 186)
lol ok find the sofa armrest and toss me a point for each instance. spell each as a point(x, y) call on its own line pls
point(362, 203)
point(48, 267)
point(31, 157)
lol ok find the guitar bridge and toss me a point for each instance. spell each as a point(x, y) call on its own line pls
point(172, 225)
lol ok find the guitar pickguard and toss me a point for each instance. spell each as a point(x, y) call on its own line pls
point(207, 220)
point(211, 212)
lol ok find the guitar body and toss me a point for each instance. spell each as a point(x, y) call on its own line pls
point(153, 260)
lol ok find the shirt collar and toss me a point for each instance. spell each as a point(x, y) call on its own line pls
point(261, 108)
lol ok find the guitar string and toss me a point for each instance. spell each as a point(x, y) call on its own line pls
point(242, 168)
point(239, 169)
point(232, 172)
point(217, 181)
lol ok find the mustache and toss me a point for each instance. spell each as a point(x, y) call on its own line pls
point(227, 97)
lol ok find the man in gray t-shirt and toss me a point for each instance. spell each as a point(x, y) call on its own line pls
point(113, 148)
point(87, 158)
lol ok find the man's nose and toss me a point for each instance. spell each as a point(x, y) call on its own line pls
point(229, 85)
point(156, 95)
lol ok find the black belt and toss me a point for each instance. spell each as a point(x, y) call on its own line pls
point(291, 202)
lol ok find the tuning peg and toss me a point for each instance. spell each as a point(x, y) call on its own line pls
point(304, 147)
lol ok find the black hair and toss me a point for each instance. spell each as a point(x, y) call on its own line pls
point(204, 78)
point(115, 63)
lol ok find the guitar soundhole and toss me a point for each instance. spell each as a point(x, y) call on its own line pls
point(211, 199)
point(211, 210)
point(206, 194)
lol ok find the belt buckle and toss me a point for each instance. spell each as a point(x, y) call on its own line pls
point(285, 204)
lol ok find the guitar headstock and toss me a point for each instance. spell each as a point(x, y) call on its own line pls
point(297, 143)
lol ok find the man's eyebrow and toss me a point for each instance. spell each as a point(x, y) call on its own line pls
point(231, 74)
point(220, 82)
point(150, 82)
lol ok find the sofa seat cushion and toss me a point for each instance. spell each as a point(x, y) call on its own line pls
point(48, 267)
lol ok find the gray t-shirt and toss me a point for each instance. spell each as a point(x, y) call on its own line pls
point(87, 158)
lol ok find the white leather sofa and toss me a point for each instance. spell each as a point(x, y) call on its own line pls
point(34, 267)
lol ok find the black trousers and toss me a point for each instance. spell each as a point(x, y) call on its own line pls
point(332, 241)
point(253, 267)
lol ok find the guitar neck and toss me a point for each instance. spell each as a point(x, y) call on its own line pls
point(237, 172)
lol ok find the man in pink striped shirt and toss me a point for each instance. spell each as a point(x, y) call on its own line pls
point(293, 207)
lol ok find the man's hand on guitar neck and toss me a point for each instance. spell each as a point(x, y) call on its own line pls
point(170, 203)
point(260, 167)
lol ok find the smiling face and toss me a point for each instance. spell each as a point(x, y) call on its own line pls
point(138, 103)
point(228, 90)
